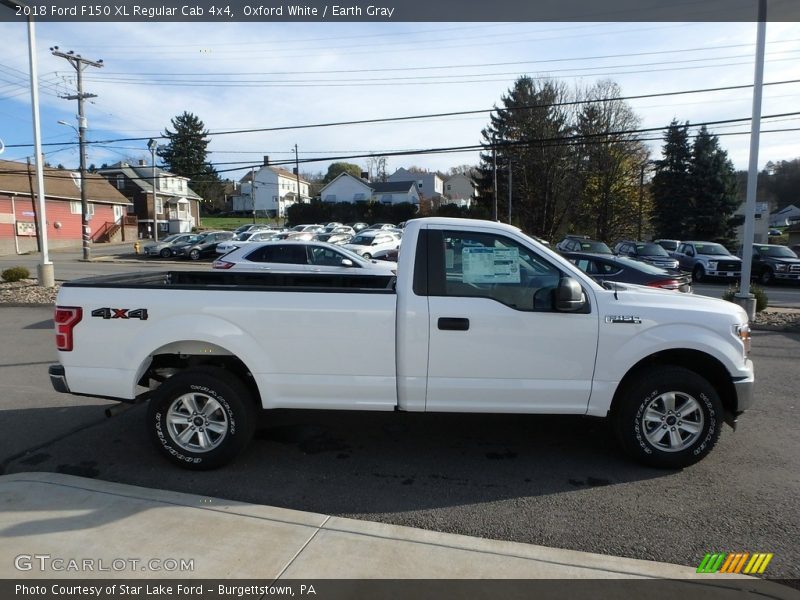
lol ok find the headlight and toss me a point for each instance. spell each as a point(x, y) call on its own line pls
point(743, 333)
point(781, 268)
point(712, 264)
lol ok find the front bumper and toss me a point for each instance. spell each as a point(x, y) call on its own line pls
point(743, 387)
point(58, 378)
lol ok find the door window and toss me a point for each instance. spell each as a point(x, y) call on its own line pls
point(294, 255)
point(324, 257)
point(494, 266)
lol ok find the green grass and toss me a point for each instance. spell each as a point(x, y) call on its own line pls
point(231, 223)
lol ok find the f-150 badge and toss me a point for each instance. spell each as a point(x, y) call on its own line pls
point(622, 319)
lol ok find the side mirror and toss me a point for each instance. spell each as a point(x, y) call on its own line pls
point(569, 295)
point(346, 262)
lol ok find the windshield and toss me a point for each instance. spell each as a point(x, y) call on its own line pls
point(650, 250)
point(776, 251)
point(246, 235)
point(668, 245)
point(362, 240)
point(711, 249)
point(595, 247)
point(171, 238)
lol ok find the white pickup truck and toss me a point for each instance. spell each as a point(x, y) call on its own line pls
point(480, 318)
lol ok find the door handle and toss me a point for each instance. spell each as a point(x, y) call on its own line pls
point(453, 324)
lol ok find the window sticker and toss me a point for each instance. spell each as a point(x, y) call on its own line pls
point(449, 258)
point(490, 265)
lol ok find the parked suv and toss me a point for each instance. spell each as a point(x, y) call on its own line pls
point(648, 252)
point(582, 243)
point(771, 262)
point(707, 259)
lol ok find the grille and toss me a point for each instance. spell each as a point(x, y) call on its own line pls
point(728, 265)
point(794, 268)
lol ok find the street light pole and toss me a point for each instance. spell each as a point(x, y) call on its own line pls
point(153, 145)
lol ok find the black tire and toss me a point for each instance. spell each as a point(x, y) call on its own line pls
point(165, 253)
point(698, 274)
point(194, 254)
point(233, 411)
point(643, 397)
point(366, 256)
point(766, 277)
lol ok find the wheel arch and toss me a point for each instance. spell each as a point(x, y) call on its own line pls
point(702, 363)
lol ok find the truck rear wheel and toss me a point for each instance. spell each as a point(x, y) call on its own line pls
point(668, 417)
point(201, 418)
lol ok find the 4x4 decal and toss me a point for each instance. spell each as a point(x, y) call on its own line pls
point(120, 313)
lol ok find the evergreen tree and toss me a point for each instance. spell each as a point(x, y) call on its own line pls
point(671, 186)
point(186, 154)
point(528, 139)
point(713, 184)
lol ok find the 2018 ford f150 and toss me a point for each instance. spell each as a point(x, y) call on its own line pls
point(480, 318)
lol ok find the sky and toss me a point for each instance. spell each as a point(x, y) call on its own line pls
point(260, 75)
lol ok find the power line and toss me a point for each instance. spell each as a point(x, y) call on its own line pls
point(435, 115)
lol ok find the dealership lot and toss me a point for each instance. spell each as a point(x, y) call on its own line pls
point(552, 481)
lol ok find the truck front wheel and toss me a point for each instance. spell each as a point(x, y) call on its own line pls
point(668, 417)
point(698, 274)
point(201, 419)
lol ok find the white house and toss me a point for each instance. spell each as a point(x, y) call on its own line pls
point(395, 192)
point(347, 188)
point(761, 231)
point(273, 192)
point(785, 216)
point(460, 189)
point(430, 185)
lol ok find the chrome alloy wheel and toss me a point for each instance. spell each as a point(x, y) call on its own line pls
point(197, 422)
point(672, 421)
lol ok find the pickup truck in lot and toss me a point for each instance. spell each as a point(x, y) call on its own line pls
point(480, 318)
point(707, 259)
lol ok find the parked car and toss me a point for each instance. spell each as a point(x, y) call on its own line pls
point(381, 226)
point(668, 245)
point(333, 238)
point(581, 243)
point(775, 232)
point(248, 237)
point(369, 241)
point(707, 259)
point(648, 252)
point(206, 245)
point(771, 262)
point(163, 247)
point(622, 269)
point(391, 254)
point(250, 227)
point(293, 256)
point(358, 226)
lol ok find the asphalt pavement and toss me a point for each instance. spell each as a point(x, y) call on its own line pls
point(551, 481)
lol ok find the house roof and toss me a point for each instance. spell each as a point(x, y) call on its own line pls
point(142, 176)
point(277, 170)
point(387, 187)
point(58, 183)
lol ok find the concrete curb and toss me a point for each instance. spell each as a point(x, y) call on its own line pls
point(74, 517)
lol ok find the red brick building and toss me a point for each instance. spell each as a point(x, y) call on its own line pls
point(18, 209)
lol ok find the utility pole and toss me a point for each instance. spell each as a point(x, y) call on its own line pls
point(297, 174)
point(253, 191)
point(641, 200)
point(509, 191)
point(79, 64)
point(152, 145)
point(494, 172)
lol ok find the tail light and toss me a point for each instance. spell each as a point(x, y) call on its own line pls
point(667, 284)
point(66, 318)
point(221, 264)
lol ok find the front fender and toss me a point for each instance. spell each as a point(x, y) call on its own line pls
point(622, 346)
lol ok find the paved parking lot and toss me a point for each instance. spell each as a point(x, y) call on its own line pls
point(553, 481)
